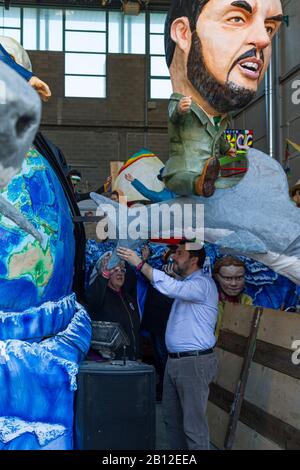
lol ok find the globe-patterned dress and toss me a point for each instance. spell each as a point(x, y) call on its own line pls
point(44, 332)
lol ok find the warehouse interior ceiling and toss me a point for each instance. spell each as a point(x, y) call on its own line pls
point(153, 5)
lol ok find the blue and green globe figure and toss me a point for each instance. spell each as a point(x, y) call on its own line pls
point(44, 332)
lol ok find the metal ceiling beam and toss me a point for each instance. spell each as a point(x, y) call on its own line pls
point(154, 5)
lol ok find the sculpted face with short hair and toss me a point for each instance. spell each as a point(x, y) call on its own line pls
point(219, 50)
point(231, 279)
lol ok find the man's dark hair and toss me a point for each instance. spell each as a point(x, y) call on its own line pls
point(200, 254)
point(189, 8)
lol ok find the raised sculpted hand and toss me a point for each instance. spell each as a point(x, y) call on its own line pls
point(129, 177)
point(41, 87)
point(184, 105)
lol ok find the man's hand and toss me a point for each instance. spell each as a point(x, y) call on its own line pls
point(129, 177)
point(41, 87)
point(184, 105)
point(129, 255)
point(169, 269)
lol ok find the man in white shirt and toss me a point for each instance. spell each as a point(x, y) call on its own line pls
point(192, 363)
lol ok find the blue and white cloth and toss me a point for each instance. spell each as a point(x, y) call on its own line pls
point(40, 352)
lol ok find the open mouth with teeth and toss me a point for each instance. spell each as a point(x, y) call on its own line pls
point(251, 68)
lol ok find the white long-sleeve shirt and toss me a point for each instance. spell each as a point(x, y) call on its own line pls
point(194, 313)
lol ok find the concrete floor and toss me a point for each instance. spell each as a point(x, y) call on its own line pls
point(161, 437)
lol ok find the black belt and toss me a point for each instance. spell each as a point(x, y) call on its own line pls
point(178, 355)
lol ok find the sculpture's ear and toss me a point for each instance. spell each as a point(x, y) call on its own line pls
point(181, 33)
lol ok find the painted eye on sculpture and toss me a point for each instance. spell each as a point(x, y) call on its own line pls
point(270, 30)
point(236, 20)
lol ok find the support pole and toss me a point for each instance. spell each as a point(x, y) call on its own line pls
point(241, 386)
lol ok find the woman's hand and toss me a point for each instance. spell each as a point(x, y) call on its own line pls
point(145, 252)
point(105, 272)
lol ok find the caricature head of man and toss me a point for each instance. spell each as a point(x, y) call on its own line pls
point(219, 50)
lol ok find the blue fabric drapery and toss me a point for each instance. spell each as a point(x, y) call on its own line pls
point(8, 60)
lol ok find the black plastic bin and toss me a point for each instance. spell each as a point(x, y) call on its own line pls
point(115, 406)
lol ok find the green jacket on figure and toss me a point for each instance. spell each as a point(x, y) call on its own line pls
point(193, 140)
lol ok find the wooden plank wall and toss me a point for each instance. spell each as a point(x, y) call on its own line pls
point(270, 414)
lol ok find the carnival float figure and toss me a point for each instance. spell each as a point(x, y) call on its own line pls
point(44, 331)
point(218, 53)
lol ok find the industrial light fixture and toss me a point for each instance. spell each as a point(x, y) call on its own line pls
point(130, 7)
point(286, 20)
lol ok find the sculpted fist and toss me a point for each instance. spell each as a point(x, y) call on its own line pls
point(185, 105)
point(41, 87)
point(129, 177)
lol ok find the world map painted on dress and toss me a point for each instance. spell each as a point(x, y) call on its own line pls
point(32, 273)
